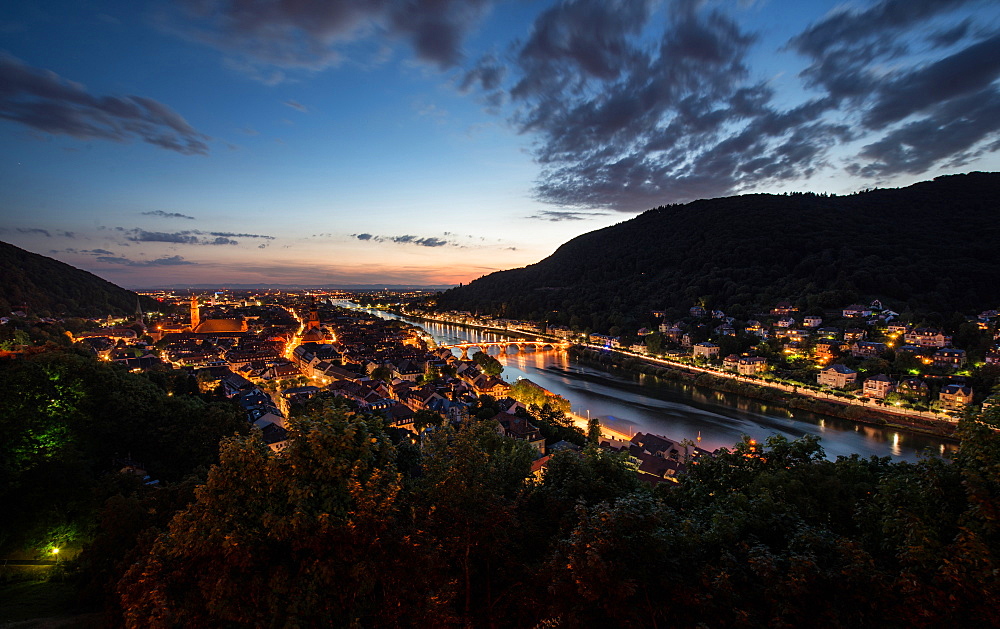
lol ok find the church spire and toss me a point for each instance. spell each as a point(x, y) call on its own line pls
point(138, 313)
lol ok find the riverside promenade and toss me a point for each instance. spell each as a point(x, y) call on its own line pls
point(795, 389)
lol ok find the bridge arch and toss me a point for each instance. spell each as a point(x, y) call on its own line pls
point(503, 346)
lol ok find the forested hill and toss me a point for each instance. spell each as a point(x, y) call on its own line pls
point(48, 287)
point(929, 247)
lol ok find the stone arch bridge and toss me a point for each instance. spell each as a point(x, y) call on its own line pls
point(538, 346)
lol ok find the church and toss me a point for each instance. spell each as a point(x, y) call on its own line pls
point(197, 326)
point(313, 331)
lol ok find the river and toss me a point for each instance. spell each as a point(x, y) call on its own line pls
point(631, 403)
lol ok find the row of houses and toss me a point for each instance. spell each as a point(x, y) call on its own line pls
point(952, 396)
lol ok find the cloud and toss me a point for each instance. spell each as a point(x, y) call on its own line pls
point(951, 36)
point(407, 239)
point(185, 237)
point(968, 71)
point(565, 215)
point(316, 34)
point(35, 230)
point(630, 104)
point(233, 235)
point(950, 133)
point(191, 237)
point(916, 112)
point(296, 105)
point(423, 242)
point(43, 100)
point(163, 214)
point(624, 123)
point(166, 261)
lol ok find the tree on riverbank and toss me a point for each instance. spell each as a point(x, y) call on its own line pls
point(530, 394)
point(487, 364)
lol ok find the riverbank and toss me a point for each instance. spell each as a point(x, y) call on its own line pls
point(607, 432)
point(789, 396)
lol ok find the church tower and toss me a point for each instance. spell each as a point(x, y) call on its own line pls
point(138, 314)
point(313, 314)
point(195, 315)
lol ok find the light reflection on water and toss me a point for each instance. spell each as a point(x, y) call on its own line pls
point(633, 403)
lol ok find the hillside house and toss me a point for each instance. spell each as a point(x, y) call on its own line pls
point(955, 397)
point(865, 349)
point(912, 387)
point(519, 428)
point(878, 386)
point(782, 309)
point(950, 358)
point(826, 349)
point(707, 350)
point(856, 311)
point(751, 365)
point(928, 337)
point(797, 336)
point(837, 376)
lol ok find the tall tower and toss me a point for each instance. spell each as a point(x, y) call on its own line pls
point(138, 313)
point(195, 315)
point(313, 314)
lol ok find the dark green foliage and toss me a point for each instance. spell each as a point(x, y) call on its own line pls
point(749, 252)
point(775, 535)
point(487, 364)
point(554, 425)
point(347, 528)
point(527, 392)
point(69, 421)
point(47, 287)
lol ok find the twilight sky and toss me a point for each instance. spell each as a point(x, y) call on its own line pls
point(434, 141)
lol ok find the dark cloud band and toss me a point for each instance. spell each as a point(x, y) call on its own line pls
point(42, 100)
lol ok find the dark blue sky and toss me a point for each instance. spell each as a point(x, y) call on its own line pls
point(433, 141)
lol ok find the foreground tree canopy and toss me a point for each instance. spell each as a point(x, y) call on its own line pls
point(355, 524)
point(343, 529)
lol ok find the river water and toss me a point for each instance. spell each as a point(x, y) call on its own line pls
point(633, 403)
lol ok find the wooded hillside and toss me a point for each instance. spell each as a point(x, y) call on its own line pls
point(928, 247)
point(48, 287)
